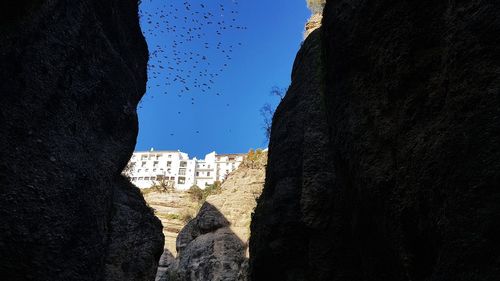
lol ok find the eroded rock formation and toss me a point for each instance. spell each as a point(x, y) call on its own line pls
point(72, 74)
point(314, 22)
point(384, 159)
point(214, 245)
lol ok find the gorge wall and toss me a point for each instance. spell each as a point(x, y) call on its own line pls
point(174, 208)
point(72, 74)
point(384, 159)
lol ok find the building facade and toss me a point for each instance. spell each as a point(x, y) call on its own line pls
point(175, 169)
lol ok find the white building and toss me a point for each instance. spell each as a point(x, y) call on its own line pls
point(226, 163)
point(177, 170)
point(174, 167)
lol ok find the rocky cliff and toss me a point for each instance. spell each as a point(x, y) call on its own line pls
point(214, 245)
point(384, 159)
point(72, 74)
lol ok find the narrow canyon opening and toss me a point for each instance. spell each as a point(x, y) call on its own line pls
point(216, 73)
point(249, 140)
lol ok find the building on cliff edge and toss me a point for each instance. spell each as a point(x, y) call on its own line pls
point(178, 171)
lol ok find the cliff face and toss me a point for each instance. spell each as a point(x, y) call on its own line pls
point(214, 245)
point(174, 209)
point(384, 163)
point(72, 74)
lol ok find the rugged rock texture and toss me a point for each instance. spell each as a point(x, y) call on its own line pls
point(174, 209)
point(312, 24)
point(214, 245)
point(384, 163)
point(72, 74)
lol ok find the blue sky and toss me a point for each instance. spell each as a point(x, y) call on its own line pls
point(212, 66)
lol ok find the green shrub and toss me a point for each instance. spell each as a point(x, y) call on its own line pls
point(196, 193)
point(201, 195)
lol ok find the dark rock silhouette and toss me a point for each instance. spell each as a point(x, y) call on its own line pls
point(384, 158)
point(209, 250)
point(72, 74)
point(164, 266)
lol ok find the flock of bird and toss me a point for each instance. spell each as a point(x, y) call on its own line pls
point(190, 44)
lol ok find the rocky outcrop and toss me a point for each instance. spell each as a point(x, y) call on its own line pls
point(314, 22)
point(384, 156)
point(214, 245)
point(72, 74)
point(174, 209)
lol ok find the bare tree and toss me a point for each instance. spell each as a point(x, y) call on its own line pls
point(163, 184)
point(267, 113)
point(278, 92)
point(267, 110)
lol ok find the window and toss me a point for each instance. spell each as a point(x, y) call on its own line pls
point(134, 178)
point(154, 170)
point(172, 178)
point(182, 172)
point(158, 156)
point(144, 157)
point(169, 156)
point(146, 178)
point(155, 164)
point(197, 174)
point(139, 170)
point(208, 174)
point(143, 164)
point(182, 180)
point(153, 178)
point(183, 164)
point(208, 166)
point(146, 170)
point(169, 164)
point(141, 178)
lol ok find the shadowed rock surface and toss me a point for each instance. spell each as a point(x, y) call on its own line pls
point(72, 74)
point(207, 249)
point(214, 245)
point(384, 159)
